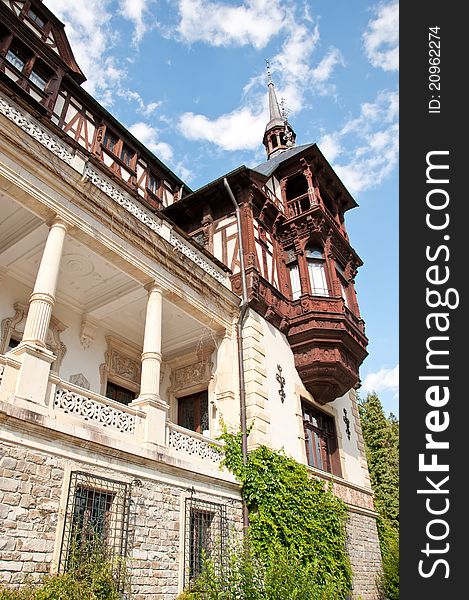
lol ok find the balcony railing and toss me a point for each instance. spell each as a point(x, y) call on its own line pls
point(273, 198)
point(95, 409)
point(192, 444)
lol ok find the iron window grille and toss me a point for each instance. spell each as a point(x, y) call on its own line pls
point(96, 523)
point(206, 536)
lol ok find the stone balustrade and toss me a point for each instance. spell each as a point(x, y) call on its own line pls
point(95, 409)
point(193, 444)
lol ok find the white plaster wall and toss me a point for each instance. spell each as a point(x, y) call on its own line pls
point(284, 422)
point(79, 359)
point(12, 291)
point(351, 462)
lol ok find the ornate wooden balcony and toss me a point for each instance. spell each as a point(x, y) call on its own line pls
point(329, 345)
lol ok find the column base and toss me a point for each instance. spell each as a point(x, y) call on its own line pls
point(156, 410)
point(33, 376)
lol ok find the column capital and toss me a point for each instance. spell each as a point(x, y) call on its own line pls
point(154, 286)
point(58, 221)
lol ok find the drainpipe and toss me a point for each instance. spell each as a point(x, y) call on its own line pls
point(242, 315)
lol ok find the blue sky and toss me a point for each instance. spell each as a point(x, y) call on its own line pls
point(188, 78)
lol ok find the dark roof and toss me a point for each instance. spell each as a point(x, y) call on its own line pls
point(268, 167)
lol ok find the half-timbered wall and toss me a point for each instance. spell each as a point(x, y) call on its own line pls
point(71, 116)
point(77, 121)
point(273, 184)
point(267, 254)
point(225, 242)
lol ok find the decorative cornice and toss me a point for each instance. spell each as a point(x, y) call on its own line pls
point(195, 257)
point(125, 201)
point(31, 127)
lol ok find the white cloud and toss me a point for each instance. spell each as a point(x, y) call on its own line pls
point(88, 28)
point(142, 107)
point(148, 135)
point(383, 381)
point(239, 130)
point(324, 69)
point(293, 67)
point(381, 39)
point(136, 11)
point(330, 146)
point(254, 22)
point(365, 151)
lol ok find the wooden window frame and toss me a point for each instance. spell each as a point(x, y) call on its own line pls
point(326, 434)
point(197, 411)
point(118, 149)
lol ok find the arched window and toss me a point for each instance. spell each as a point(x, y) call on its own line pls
point(317, 271)
point(292, 265)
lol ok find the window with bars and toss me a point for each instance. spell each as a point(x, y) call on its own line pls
point(206, 535)
point(96, 523)
point(320, 439)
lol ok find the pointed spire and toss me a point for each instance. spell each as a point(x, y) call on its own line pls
point(279, 135)
point(274, 108)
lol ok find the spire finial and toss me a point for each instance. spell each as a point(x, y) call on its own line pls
point(283, 109)
point(269, 73)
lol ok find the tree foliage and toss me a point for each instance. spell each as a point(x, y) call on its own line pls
point(381, 436)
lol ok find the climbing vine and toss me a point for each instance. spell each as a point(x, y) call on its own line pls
point(289, 508)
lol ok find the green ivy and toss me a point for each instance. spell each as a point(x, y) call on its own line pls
point(289, 508)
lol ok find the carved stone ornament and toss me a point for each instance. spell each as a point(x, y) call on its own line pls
point(187, 376)
point(88, 331)
point(125, 200)
point(80, 380)
point(125, 367)
point(123, 364)
point(195, 257)
point(190, 375)
point(15, 326)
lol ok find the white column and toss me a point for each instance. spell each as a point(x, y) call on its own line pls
point(149, 400)
point(43, 297)
point(151, 356)
point(33, 377)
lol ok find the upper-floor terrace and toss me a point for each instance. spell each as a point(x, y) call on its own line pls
point(114, 326)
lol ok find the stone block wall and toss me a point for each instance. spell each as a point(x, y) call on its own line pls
point(30, 490)
point(33, 497)
point(365, 555)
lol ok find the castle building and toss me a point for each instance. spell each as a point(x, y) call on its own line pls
point(138, 316)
